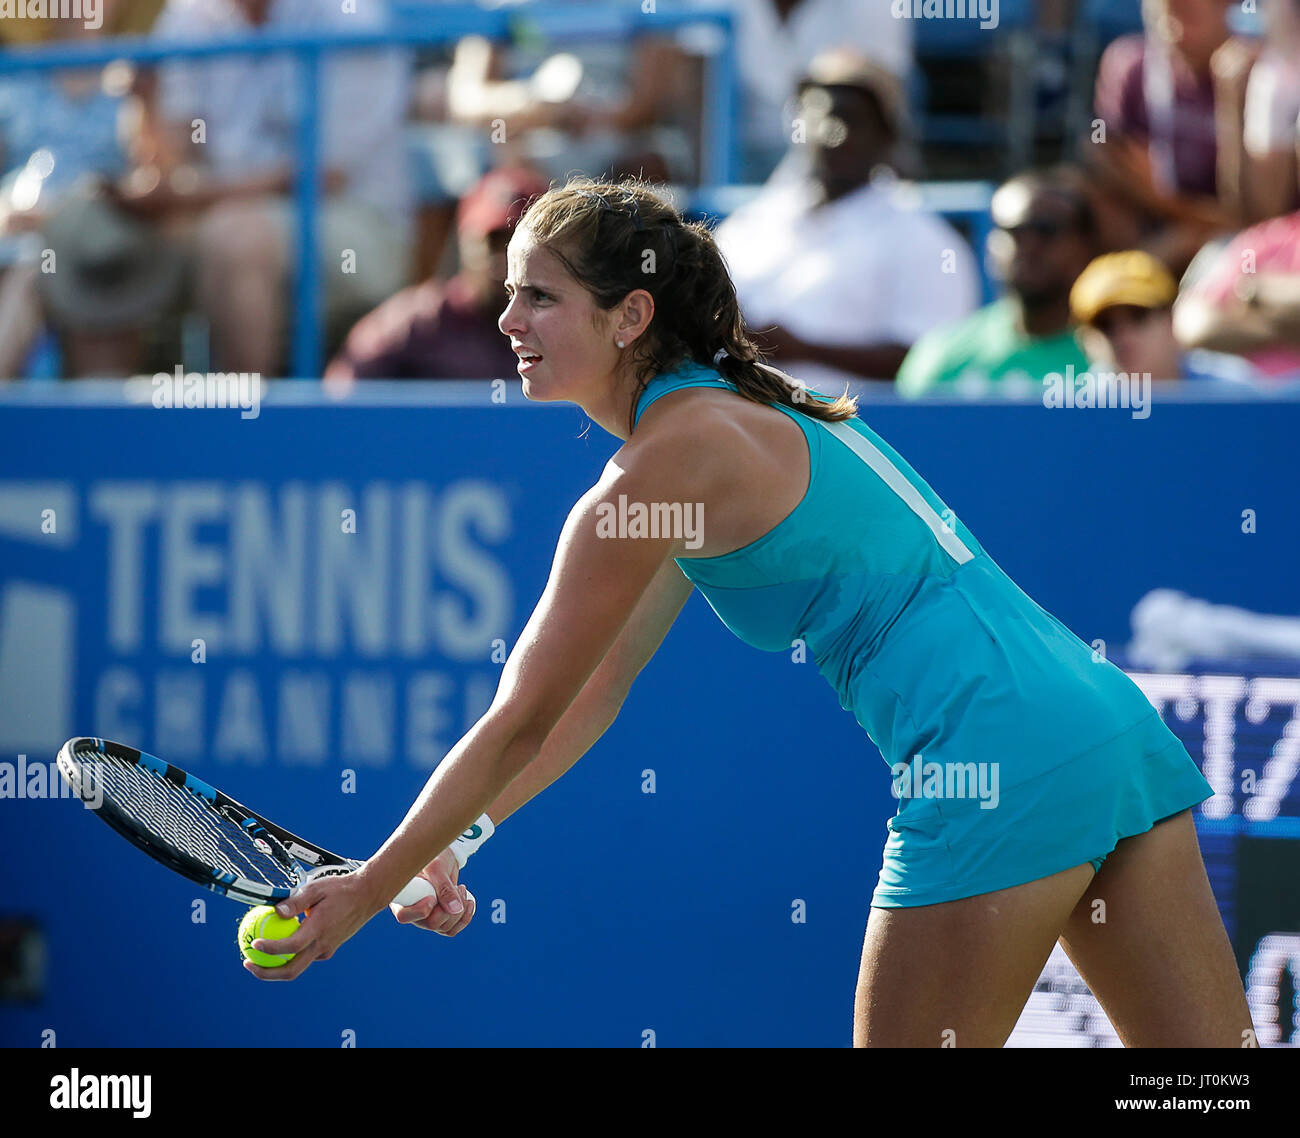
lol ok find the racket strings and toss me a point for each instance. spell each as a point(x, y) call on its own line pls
point(185, 820)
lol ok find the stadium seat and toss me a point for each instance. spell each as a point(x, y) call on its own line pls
point(1011, 127)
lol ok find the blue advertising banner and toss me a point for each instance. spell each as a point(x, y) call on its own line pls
point(308, 608)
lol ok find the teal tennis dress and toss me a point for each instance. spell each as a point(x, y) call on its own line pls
point(1014, 753)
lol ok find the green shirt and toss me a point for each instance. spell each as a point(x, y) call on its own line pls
point(986, 346)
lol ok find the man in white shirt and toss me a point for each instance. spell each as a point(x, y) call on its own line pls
point(776, 41)
point(836, 271)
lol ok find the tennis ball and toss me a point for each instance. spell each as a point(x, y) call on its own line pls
point(263, 921)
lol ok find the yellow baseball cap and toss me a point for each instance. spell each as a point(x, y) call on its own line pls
point(1131, 277)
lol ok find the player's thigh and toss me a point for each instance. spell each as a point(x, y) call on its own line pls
point(1148, 939)
point(959, 973)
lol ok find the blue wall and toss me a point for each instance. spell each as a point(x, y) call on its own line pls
point(673, 911)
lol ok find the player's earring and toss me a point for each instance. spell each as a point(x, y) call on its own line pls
point(621, 344)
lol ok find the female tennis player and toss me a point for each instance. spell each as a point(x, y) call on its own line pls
point(815, 528)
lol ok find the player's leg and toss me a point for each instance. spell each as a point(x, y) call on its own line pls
point(960, 972)
point(1156, 955)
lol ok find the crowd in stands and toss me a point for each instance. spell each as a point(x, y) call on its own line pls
point(139, 204)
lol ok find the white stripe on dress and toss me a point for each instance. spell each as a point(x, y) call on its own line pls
point(893, 478)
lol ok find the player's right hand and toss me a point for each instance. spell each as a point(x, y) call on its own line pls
point(435, 913)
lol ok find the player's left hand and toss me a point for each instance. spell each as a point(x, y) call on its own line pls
point(451, 907)
point(336, 908)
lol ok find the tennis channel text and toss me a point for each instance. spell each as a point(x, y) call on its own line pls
point(226, 609)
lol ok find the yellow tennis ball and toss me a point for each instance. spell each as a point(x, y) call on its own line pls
point(263, 921)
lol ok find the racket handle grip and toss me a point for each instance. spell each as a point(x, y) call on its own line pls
point(413, 891)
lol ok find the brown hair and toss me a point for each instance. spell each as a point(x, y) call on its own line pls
point(616, 238)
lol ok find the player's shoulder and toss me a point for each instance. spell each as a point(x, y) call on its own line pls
point(685, 436)
point(680, 424)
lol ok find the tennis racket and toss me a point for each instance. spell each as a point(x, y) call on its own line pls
point(193, 828)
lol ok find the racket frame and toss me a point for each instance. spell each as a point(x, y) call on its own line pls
point(300, 857)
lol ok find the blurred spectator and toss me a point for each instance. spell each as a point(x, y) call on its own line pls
point(448, 330)
point(635, 107)
point(1155, 94)
point(116, 277)
point(601, 106)
point(1245, 298)
point(597, 105)
point(1046, 234)
point(849, 276)
point(1257, 85)
point(222, 144)
point(1123, 303)
point(776, 42)
point(57, 130)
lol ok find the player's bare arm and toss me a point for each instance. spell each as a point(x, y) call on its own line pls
point(597, 581)
point(588, 717)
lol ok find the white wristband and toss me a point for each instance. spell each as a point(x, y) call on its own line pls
point(471, 839)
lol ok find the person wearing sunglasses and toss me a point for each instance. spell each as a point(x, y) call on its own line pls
point(1123, 303)
point(1046, 234)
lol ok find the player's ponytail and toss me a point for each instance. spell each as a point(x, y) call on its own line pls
point(615, 238)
